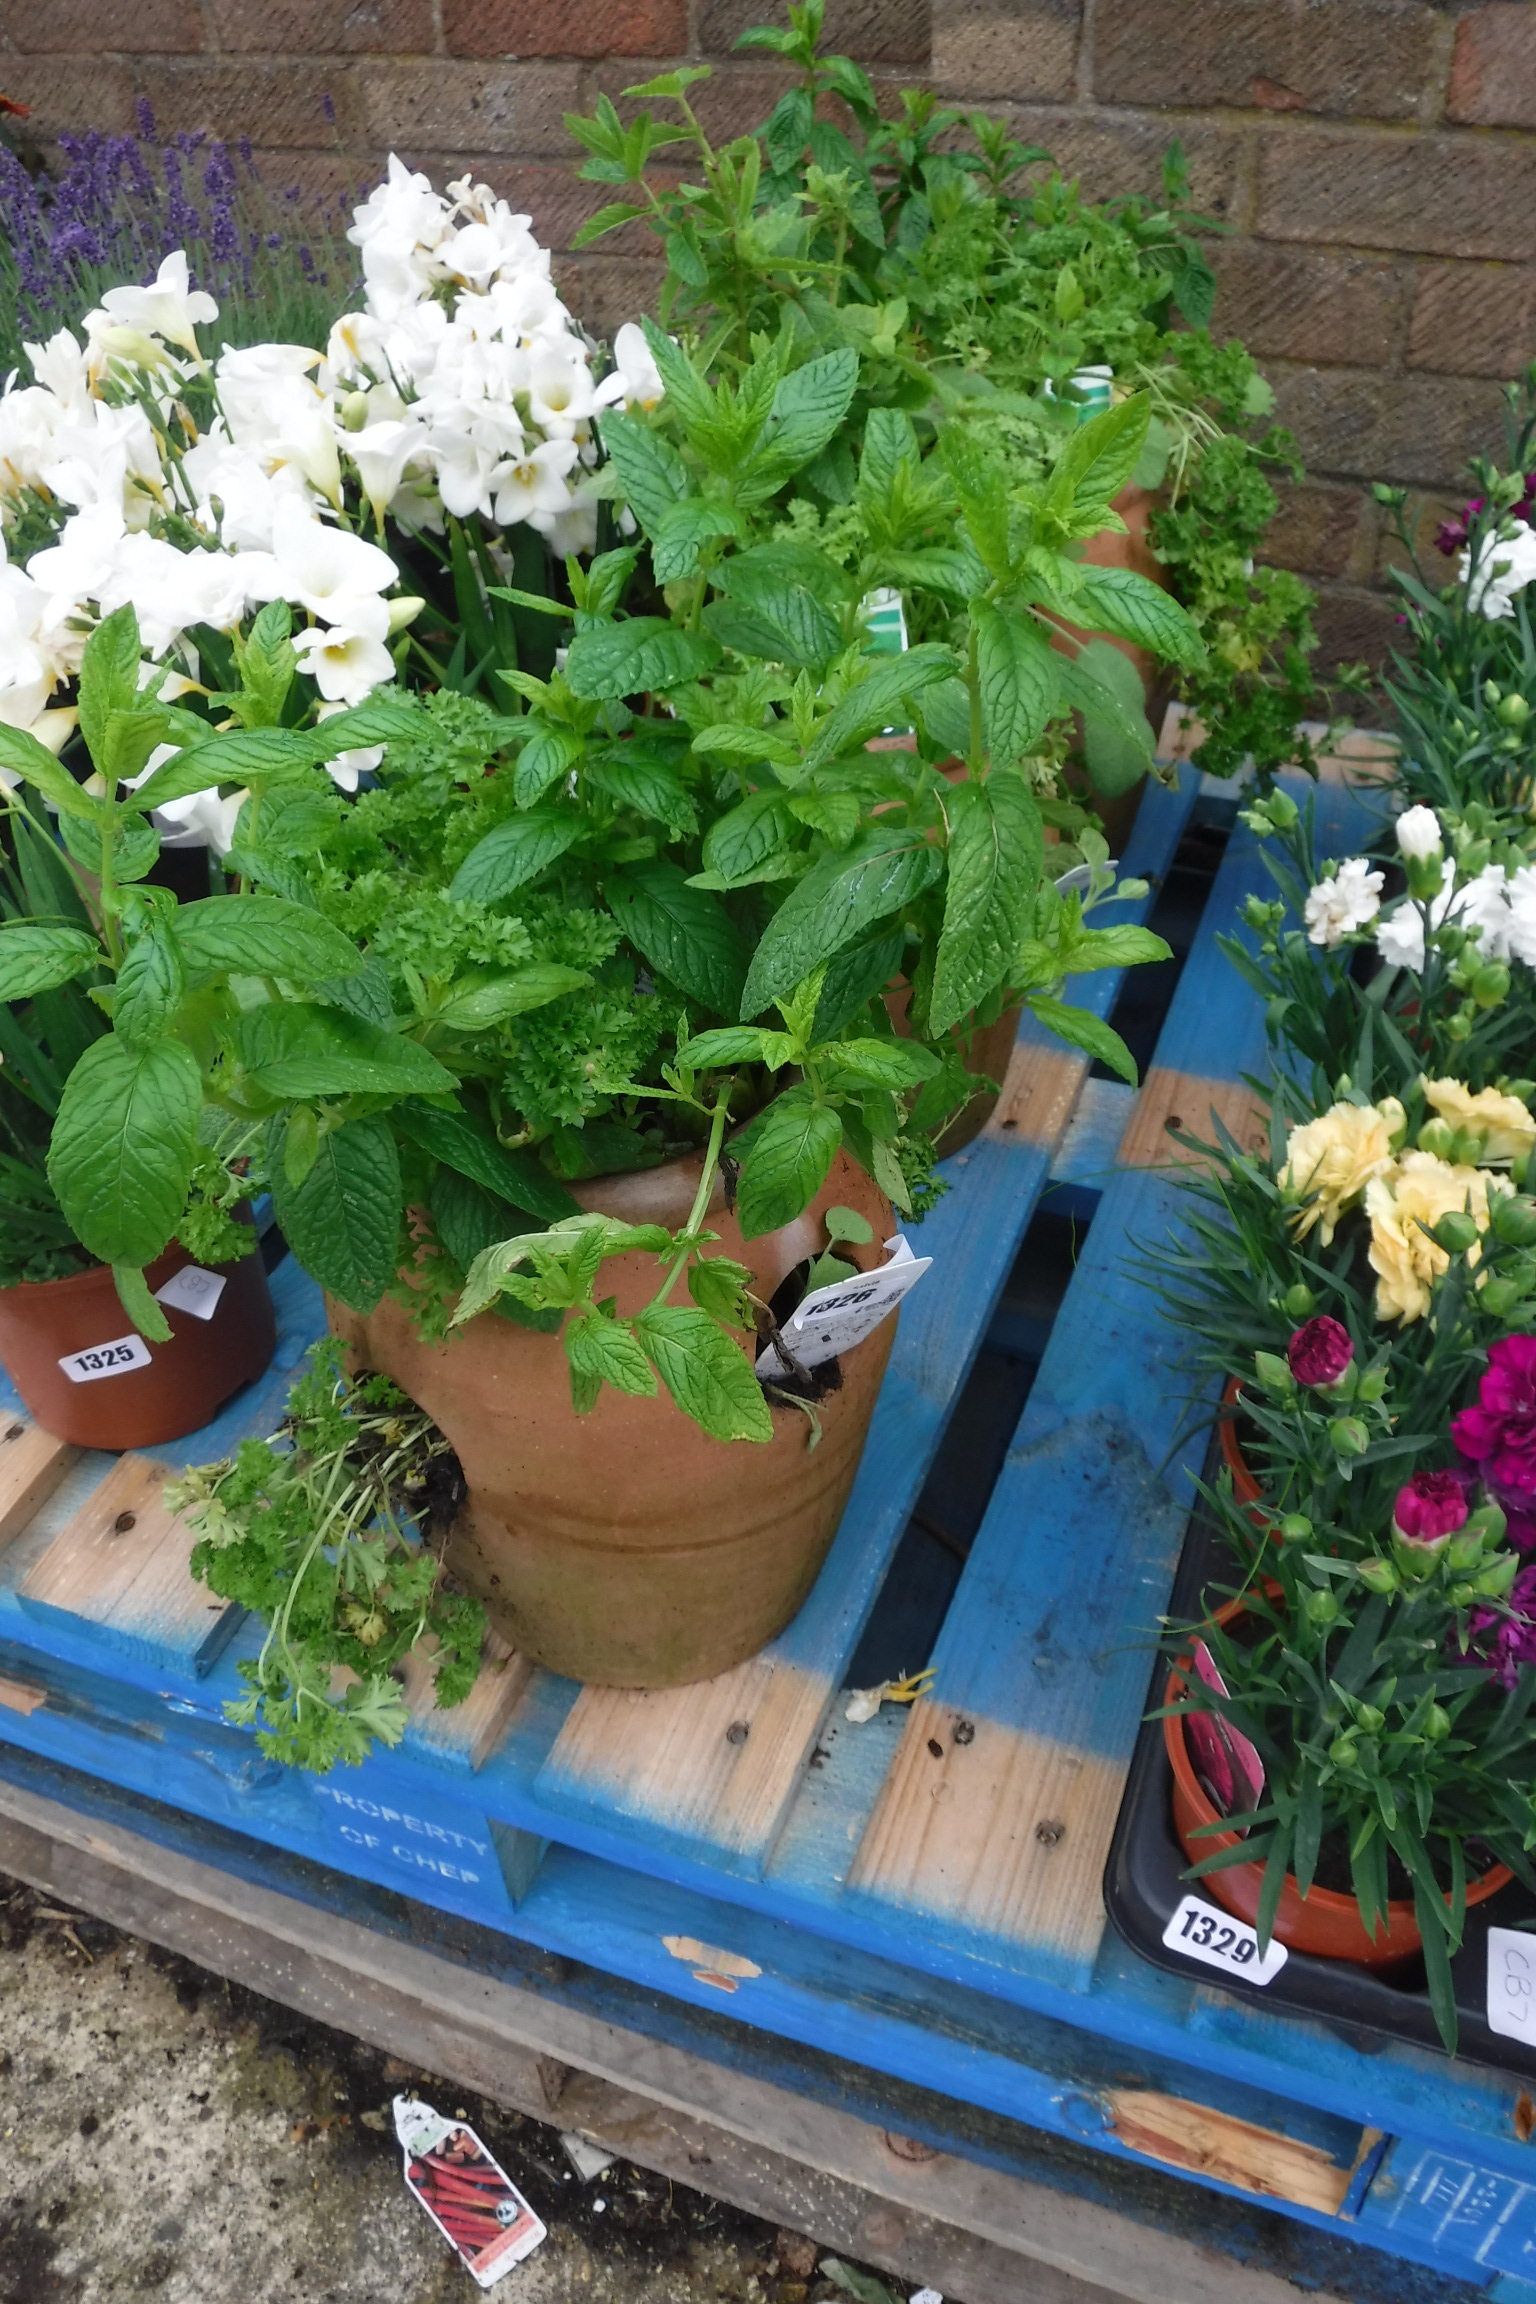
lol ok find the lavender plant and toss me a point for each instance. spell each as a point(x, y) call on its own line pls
point(277, 261)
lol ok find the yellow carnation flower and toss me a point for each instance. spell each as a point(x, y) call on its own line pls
point(1330, 1160)
point(1504, 1123)
point(1403, 1204)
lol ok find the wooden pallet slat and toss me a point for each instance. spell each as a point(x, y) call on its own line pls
point(1046, 1650)
point(32, 1463)
point(120, 1566)
point(674, 1765)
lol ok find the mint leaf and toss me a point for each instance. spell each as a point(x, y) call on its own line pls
point(35, 959)
point(1080, 1028)
point(150, 985)
point(299, 1050)
point(708, 1375)
point(515, 853)
point(644, 652)
point(461, 1143)
point(996, 850)
point(682, 932)
point(123, 1146)
point(343, 1221)
point(1133, 608)
point(134, 1296)
point(262, 936)
point(791, 1147)
point(109, 678)
point(1018, 681)
point(604, 1351)
point(842, 894)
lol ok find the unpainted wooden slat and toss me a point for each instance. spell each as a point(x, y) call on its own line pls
point(468, 1733)
point(32, 1463)
point(1040, 1092)
point(1182, 1101)
point(120, 1570)
point(1226, 2151)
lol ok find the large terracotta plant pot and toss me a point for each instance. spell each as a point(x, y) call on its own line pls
point(1244, 1486)
point(1323, 1922)
point(180, 1387)
point(626, 1547)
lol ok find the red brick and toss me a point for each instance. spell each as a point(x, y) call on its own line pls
point(1493, 70)
point(1115, 153)
point(1322, 531)
point(1355, 626)
point(1474, 319)
point(566, 27)
point(1304, 304)
point(64, 95)
point(78, 28)
point(324, 27)
point(1017, 49)
point(1416, 431)
point(1446, 195)
point(1367, 58)
point(275, 105)
point(875, 31)
point(460, 107)
point(606, 293)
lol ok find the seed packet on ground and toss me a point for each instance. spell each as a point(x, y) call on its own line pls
point(473, 2203)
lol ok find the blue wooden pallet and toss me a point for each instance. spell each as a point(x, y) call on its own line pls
point(920, 1893)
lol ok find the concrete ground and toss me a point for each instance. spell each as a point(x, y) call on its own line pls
point(166, 2135)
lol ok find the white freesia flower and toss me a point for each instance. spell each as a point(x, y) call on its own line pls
point(345, 663)
point(1505, 566)
point(380, 454)
point(533, 488)
point(636, 379)
point(28, 670)
point(1418, 833)
point(338, 577)
point(170, 307)
point(202, 820)
point(1350, 899)
point(347, 767)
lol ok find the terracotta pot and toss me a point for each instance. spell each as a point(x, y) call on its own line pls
point(627, 1547)
point(1323, 1922)
point(985, 1050)
point(183, 1385)
point(1133, 550)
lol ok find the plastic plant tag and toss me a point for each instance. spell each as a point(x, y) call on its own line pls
point(473, 2203)
point(1203, 1931)
point(832, 1320)
point(885, 623)
point(99, 1360)
point(1512, 1983)
point(193, 1290)
point(1231, 1769)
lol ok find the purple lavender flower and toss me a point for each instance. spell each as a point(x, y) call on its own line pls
point(146, 120)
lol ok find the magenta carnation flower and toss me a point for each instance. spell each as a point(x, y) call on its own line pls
point(1508, 1641)
point(1498, 1436)
point(1319, 1351)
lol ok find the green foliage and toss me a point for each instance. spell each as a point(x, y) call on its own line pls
point(324, 1535)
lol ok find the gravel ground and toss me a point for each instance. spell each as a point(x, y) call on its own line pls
point(168, 2135)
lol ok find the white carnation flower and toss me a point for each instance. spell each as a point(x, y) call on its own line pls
point(1351, 899)
point(1418, 833)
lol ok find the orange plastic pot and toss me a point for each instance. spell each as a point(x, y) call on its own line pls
point(1322, 1922)
point(179, 1388)
point(1244, 1486)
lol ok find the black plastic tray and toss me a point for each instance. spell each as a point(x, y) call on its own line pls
point(1144, 1883)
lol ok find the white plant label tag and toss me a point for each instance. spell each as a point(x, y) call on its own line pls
point(469, 2197)
point(193, 1290)
point(99, 1360)
point(1203, 1931)
point(832, 1320)
point(1512, 1983)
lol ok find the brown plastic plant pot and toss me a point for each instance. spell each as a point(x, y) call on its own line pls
point(1323, 1922)
point(626, 1547)
point(185, 1382)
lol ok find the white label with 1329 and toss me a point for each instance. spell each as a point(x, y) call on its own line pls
point(1512, 1983)
point(1203, 1932)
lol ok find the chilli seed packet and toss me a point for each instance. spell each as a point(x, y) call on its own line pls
point(474, 2204)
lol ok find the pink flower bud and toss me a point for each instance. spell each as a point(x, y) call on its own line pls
point(1429, 1510)
point(1319, 1351)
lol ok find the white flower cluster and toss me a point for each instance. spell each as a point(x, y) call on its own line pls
point(463, 387)
point(1505, 565)
point(1500, 904)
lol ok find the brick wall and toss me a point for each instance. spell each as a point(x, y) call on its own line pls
point(1374, 160)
